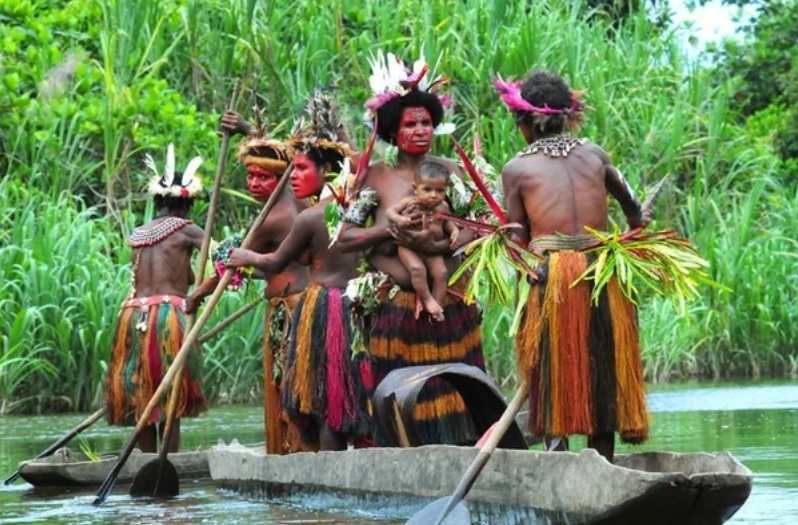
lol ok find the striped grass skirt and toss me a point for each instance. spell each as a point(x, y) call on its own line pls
point(323, 382)
point(582, 360)
point(145, 343)
point(397, 339)
point(282, 436)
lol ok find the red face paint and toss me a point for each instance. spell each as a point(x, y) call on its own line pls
point(305, 179)
point(260, 182)
point(415, 131)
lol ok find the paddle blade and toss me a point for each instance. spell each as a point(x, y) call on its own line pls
point(431, 514)
point(157, 479)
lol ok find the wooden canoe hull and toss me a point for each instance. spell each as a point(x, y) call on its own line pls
point(515, 487)
point(69, 468)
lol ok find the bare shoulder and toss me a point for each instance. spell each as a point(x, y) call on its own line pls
point(594, 149)
point(374, 171)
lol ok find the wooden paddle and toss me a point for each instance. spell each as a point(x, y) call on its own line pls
point(453, 510)
point(159, 477)
point(49, 451)
point(188, 342)
point(221, 325)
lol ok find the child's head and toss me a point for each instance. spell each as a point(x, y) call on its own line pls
point(431, 182)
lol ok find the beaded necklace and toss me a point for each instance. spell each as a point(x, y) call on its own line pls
point(150, 235)
point(553, 146)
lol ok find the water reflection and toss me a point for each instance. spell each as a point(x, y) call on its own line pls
point(757, 423)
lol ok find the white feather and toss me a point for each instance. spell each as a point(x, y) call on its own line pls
point(190, 170)
point(150, 164)
point(444, 128)
point(169, 170)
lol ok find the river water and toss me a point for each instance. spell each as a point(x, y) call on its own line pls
point(758, 423)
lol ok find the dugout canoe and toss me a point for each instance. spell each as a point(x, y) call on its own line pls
point(517, 486)
point(67, 467)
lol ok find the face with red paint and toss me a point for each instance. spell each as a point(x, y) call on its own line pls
point(415, 131)
point(260, 182)
point(307, 179)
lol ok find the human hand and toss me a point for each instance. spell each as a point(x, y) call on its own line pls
point(193, 303)
point(420, 241)
point(233, 123)
point(454, 239)
point(239, 257)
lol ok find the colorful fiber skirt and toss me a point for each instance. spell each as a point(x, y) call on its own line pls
point(323, 380)
point(149, 333)
point(282, 436)
point(398, 339)
point(582, 360)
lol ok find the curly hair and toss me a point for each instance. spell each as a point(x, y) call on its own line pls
point(547, 89)
point(390, 114)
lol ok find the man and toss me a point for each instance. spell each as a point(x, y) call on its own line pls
point(149, 330)
point(266, 160)
point(581, 360)
point(399, 335)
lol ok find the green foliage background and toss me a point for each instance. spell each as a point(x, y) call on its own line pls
point(86, 88)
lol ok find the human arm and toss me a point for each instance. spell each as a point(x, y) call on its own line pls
point(618, 187)
point(202, 291)
point(516, 211)
point(394, 214)
point(290, 250)
point(454, 234)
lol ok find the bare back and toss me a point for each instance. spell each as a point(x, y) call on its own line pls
point(165, 267)
point(551, 195)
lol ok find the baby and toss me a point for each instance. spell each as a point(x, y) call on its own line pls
point(431, 182)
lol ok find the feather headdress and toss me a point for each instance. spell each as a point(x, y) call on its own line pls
point(510, 95)
point(188, 187)
point(390, 78)
point(317, 125)
point(269, 154)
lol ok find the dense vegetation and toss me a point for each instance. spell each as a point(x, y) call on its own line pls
point(86, 88)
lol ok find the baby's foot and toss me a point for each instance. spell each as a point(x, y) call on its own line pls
point(434, 309)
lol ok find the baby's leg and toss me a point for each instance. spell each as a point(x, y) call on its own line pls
point(439, 275)
point(418, 277)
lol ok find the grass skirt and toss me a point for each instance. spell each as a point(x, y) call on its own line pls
point(582, 360)
point(282, 436)
point(324, 382)
point(145, 343)
point(397, 339)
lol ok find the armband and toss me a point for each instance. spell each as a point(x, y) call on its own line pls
point(360, 209)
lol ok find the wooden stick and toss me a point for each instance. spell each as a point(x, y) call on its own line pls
point(471, 475)
point(221, 325)
point(86, 423)
point(189, 341)
point(198, 278)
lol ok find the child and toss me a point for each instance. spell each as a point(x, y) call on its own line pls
point(431, 182)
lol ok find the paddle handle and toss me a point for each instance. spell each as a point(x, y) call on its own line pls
point(188, 342)
point(198, 278)
point(221, 325)
point(86, 423)
point(468, 479)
